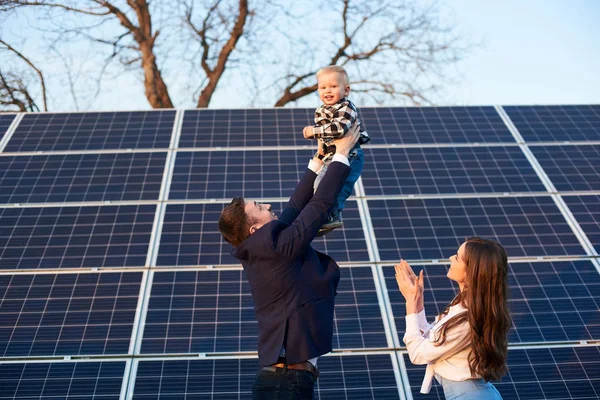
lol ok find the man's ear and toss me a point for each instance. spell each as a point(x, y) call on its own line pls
point(252, 229)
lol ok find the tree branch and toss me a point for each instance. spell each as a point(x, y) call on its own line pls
point(39, 73)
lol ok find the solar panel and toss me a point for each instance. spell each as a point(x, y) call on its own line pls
point(240, 128)
point(62, 380)
point(346, 377)
point(190, 236)
point(422, 125)
point(548, 301)
point(433, 176)
point(5, 121)
point(225, 174)
point(448, 170)
point(535, 374)
point(212, 311)
point(432, 229)
point(81, 177)
point(93, 131)
point(67, 314)
point(570, 167)
point(556, 123)
point(586, 210)
point(75, 237)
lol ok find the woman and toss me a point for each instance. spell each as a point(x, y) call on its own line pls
point(466, 346)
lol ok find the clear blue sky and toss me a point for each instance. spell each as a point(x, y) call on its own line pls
point(530, 52)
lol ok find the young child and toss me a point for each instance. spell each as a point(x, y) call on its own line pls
point(333, 119)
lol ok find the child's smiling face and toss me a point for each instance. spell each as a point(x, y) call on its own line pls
point(332, 88)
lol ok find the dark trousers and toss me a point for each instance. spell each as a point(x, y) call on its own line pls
point(283, 384)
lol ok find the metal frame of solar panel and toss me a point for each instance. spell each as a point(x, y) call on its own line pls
point(112, 267)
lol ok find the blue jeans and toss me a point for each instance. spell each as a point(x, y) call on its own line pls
point(471, 389)
point(283, 385)
point(357, 160)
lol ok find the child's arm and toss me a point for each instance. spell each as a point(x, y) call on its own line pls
point(338, 123)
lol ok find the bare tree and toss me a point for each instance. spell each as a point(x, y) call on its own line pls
point(14, 93)
point(395, 50)
point(218, 40)
point(135, 44)
point(370, 37)
point(13, 89)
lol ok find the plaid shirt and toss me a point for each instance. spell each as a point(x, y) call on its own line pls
point(333, 122)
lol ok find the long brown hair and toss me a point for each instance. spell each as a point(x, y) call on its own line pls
point(485, 298)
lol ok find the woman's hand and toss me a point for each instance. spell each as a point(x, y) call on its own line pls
point(411, 286)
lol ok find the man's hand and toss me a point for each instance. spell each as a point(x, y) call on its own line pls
point(344, 144)
point(308, 132)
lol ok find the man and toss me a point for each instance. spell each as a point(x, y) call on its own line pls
point(293, 286)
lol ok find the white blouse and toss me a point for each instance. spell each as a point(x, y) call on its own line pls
point(449, 360)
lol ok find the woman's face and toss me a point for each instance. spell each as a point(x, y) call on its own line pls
point(458, 267)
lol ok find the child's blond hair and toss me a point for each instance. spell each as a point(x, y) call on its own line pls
point(334, 68)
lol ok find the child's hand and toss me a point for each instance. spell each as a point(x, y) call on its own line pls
point(308, 132)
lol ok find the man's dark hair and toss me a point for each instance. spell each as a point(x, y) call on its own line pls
point(234, 224)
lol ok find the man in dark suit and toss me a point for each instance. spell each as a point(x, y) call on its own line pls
point(293, 286)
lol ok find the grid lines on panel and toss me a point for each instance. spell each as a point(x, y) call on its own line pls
point(556, 123)
point(353, 377)
point(446, 170)
point(241, 128)
point(190, 236)
point(432, 229)
point(586, 210)
point(93, 131)
point(548, 301)
point(81, 177)
point(535, 374)
point(225, 174)
point(570, 167)
point(424, 125)
point(5, 121)
point(61, 380)
point(75, 237)
point(67, 314)
point(212, 311)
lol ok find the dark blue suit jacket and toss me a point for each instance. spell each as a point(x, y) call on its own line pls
point(293, 286)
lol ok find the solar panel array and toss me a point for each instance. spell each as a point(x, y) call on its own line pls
point(115, 282)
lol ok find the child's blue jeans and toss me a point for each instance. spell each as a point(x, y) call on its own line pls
point(357, 160)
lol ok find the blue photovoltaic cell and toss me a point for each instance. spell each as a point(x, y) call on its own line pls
point(548, 302)
point(226, 174)
point(190, 236)
point(432, 229)
point(209, 311)
point(356, 377)
point(283, 126)
point(400, 171)
point(75, 237)
point(62, 380)
point(535, 374)
point(81, 177)
point(238, 128)
point(93, 131)
point(556, 123)
point(422, 125)
point(586, 210)
point(67, 314)
point(5, 121)
point(570, 167)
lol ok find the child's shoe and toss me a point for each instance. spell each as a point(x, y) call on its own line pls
point(334, 221)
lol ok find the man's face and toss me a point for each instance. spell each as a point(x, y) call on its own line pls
point(332, 88)
point(259, 213)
